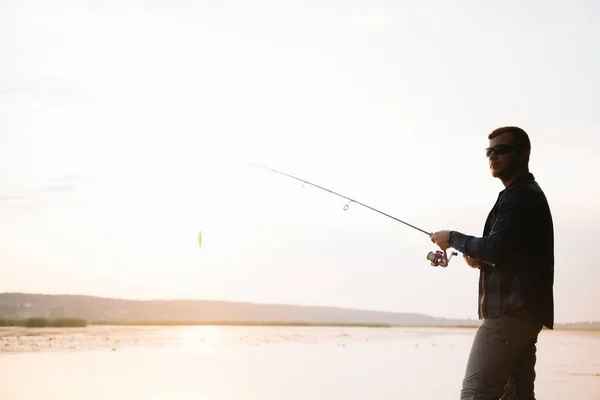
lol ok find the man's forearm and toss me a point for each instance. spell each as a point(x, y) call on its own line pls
point(486, 249)
point(460, 241)
point(502, 241)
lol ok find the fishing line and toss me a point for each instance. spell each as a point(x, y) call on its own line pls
point(437, 258)
point(350, 200)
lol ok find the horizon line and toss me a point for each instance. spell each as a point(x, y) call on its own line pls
point(268, 304)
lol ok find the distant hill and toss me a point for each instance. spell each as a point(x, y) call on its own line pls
point(100, 309)
point(23, 305)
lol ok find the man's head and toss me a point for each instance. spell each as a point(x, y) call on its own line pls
point(508, 152)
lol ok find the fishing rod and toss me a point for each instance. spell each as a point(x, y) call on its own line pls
point(437, 258)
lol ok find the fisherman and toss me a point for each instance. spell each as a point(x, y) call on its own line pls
point(515, 258)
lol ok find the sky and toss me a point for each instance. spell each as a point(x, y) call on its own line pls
point(125, 128)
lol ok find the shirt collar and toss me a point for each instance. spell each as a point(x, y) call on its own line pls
point(524, 178)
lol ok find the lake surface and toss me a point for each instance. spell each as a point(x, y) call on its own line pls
point(268, 363)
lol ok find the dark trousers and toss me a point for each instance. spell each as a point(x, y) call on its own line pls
point(501, 364)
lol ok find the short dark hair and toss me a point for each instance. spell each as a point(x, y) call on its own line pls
point(520, 137)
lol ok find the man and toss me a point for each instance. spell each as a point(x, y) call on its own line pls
point(515, 258)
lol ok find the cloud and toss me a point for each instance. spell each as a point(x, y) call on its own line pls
point(60, 188)
point(11, 206)
point(11, 198)
point(65, 184)
point(69, 178)
point(47, 196)
point(43, 89)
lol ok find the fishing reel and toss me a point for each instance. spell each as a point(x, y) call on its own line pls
point(440, 258)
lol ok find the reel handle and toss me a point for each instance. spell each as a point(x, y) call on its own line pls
point(440, 258)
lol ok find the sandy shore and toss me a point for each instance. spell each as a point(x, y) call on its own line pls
point(267, 363)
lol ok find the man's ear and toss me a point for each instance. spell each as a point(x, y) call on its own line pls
point(523, 156)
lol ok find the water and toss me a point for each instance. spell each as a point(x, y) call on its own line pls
point(268, 363)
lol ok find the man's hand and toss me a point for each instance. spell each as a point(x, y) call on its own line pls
point(473, 263)
point(441, 239)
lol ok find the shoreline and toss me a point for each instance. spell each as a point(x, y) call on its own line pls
point(41, 322)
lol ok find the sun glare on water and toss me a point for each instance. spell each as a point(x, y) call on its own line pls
point(198, 339)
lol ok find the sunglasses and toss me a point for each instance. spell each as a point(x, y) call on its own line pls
point(499, 149)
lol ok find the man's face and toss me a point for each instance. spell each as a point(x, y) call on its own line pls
point(502, 156)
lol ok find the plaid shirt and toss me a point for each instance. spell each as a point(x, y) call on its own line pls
point(516, 253)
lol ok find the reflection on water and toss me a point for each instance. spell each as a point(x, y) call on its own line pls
point(267, 363)
point(20, 340)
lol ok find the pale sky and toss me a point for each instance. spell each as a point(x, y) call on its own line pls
point(124, 128)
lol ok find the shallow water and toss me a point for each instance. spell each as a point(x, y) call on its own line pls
point(267, 363)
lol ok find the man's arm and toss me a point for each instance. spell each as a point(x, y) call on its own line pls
point(502, 241)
